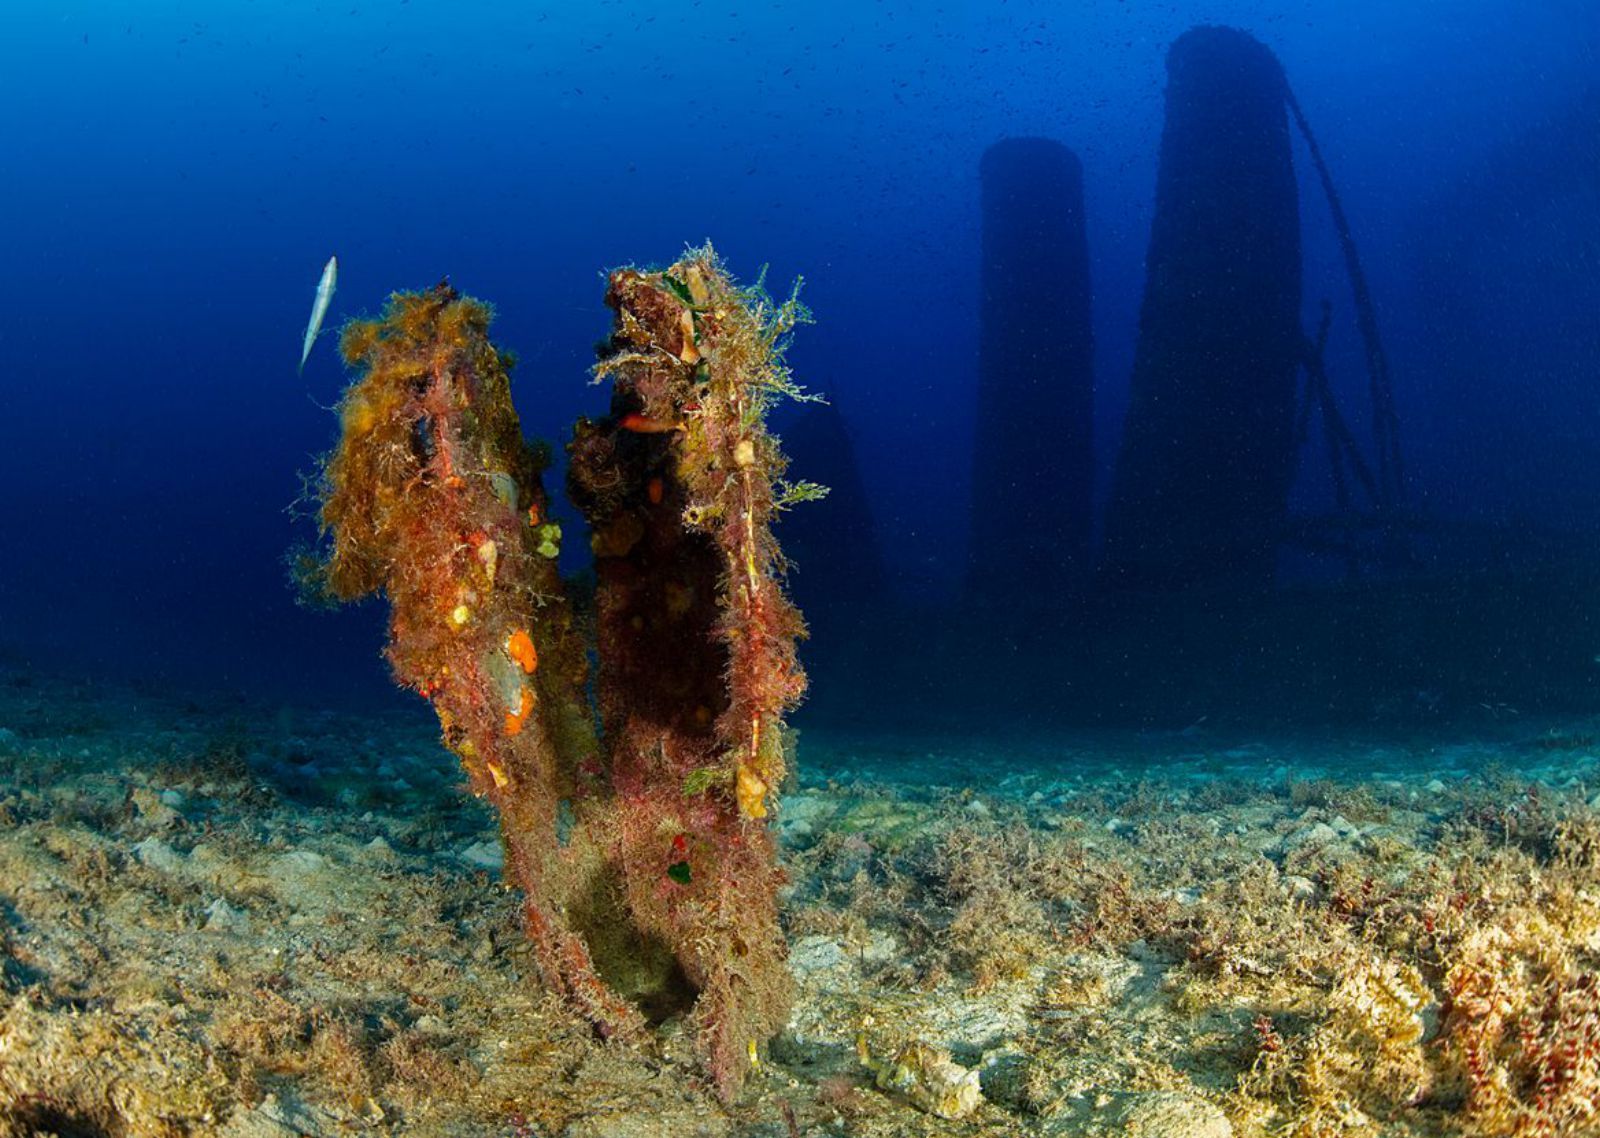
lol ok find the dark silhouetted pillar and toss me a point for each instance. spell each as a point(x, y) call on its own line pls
point(1033, 467)
point(833, 544)
point(1202, 482)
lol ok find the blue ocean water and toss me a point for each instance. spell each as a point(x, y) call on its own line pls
point(1204, 681)
point(180, 172)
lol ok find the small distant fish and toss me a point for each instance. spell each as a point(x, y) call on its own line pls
point(319, 308)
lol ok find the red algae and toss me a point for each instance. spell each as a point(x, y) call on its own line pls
point(648, 871)
point(697, 640)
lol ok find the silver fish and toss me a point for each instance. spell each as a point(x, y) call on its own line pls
point(319, 309)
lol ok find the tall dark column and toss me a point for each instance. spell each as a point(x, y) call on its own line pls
point(1033, 462)
point(1202, 482)
point(832, 544)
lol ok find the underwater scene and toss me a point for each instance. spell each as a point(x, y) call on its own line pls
point(800, 569)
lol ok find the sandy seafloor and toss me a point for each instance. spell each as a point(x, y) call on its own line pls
point(261, 922)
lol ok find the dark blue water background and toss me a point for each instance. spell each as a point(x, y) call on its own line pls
point(177, 173)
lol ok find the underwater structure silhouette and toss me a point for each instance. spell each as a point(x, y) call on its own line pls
point(1218, 418)
point(1036, 351)
point(1201, 487)
point(837, 551)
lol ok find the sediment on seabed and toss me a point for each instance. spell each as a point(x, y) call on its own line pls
point(232, 919)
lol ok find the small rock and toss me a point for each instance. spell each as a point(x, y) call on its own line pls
point(1316, 834)
point(152, 810)
point(484, 855)
point(257, 1122)
point(880, 948)
point(797, 832)
point(8, 737)
point(176, 799)
point(156, 854)
point(1434, 787)
point(807, 807)
point(850, 859)
point(302, 1118)
point(222, 917)
point(1172, 1114)
point(1301, 888)
point(815, 954)
point(297, 863)
point(379, 849)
